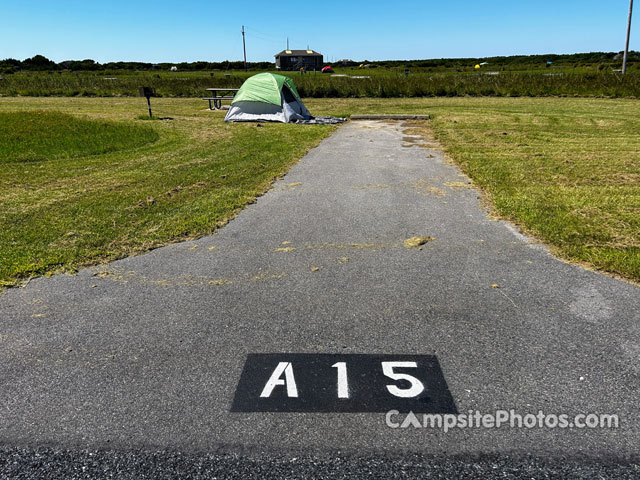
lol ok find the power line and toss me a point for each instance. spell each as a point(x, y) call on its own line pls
point(262, 39)
point(266, 35)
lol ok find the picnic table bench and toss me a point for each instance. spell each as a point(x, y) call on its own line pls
point(218, 95)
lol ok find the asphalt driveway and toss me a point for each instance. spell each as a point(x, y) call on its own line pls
point(147, 353)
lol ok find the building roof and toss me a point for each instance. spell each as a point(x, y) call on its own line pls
point(298, 53)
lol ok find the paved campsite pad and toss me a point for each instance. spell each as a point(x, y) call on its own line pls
point(147, 352)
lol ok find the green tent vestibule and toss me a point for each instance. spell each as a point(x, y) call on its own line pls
point(267, 97)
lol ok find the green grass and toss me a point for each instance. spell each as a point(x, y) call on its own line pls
point(565, 169)
point(47, 136)
point(569, 173)
point(75, 209)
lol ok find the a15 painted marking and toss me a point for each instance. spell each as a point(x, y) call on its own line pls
point(300, 382)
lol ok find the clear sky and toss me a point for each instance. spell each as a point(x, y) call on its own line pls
point(190, 30)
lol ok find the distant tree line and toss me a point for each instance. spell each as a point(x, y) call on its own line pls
point(515, 60)
point(41, 63)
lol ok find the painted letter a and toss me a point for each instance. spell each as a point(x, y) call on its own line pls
point(275, 380)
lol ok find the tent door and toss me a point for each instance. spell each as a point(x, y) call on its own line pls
point(290, 99)
point(291, 107)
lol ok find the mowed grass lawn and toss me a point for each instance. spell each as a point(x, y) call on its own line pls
point(86, 180)
point(565, 169)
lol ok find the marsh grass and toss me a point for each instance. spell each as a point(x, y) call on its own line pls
point(378, 83)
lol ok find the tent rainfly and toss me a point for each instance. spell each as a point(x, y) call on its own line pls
point(267, 97)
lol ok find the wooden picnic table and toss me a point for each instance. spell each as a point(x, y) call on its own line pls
point(218, 95)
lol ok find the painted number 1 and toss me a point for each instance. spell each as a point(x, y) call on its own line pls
point(343, 383)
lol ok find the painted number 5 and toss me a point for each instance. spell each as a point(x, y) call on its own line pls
point(416, 387)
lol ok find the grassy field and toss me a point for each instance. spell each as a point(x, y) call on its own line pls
point(565, 169)
point(41, 136)
point(82, 196)
point(356, 83)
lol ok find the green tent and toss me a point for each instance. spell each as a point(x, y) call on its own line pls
point(267, 97)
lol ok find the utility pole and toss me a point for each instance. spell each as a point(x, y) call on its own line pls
point(626, 47)
point(244, 49)
point(287, 43)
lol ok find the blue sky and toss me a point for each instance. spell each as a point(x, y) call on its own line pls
point(190, 30)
